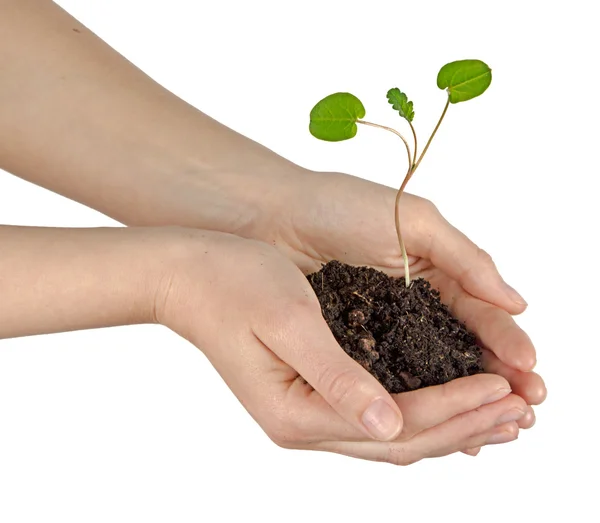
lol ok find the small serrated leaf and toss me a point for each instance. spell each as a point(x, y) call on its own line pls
point(464, 79)
point(334, 118)
point(400, 103)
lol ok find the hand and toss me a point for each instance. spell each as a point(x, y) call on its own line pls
point(336, 216)
point(256, 318)
point(315, 217)
point(176, 167)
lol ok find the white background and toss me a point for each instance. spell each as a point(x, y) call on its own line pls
point(132, 424)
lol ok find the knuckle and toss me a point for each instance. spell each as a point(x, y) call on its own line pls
point(482, 259)
point(488, 315)
point(451, 395)
point(426, 206)
point(492, 383)
point(399, 455)
point(485, 258)
point(338, 385)
point(518, 403)
point(476, 441)
point(481, 420)
point(448, 393)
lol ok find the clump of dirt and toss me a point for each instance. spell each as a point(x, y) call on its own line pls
point(406, 337)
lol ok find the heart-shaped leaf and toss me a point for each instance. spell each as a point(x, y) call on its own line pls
point(334, 118)
point(464, 79)
point(400, 103)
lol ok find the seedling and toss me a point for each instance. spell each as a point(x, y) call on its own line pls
point(336, 116)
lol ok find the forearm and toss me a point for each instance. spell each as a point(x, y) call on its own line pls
point(80, 120)
point(54, 280)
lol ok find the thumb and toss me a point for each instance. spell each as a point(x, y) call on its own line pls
point(301, 338)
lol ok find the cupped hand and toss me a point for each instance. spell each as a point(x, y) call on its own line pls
point(336, 216)
point(255, 316)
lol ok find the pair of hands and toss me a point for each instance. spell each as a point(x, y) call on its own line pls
point(248, 306)
point(144, 157)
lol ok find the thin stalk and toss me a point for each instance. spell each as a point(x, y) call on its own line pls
point(432, 135)
point(391, 131)
point(399, 193)
point(397, 221)
point(415, 137)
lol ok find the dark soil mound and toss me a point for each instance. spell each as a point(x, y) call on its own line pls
point(404, 336)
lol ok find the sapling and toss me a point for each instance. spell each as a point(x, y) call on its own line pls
point(336, 116)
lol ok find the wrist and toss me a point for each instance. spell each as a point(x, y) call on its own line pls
point(224, 182)
point(187, 265)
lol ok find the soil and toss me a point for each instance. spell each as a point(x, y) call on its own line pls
point(406, 337)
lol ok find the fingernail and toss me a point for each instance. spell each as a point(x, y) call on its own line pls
point(514, 295)
point(498, 395)
point(501, 437)
point(381, 421)
point(512, 415)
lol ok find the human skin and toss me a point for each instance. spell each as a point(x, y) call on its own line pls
point(253, 313)
point(103, 133)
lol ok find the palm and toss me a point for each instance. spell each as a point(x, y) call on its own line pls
point(336, 216)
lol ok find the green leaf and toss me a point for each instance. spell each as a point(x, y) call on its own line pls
point(333, 119)
point(464, 79)
point(400, 103)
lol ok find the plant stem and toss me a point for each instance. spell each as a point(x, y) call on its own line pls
point(415, 137)
point(398, 231)
point(399, 193)
point(391, 131)
point(432, 135)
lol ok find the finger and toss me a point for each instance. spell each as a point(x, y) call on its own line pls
point(529, 385)
point(467, 430)
point(301, 338)
point(312, 419)
point(284, 405)
point(528, 420)
point(496, 330)
point(497, 434)
point(431, 406)
point(501, 434)
point(462, 260)
point(493, 426)
point(421, 409)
